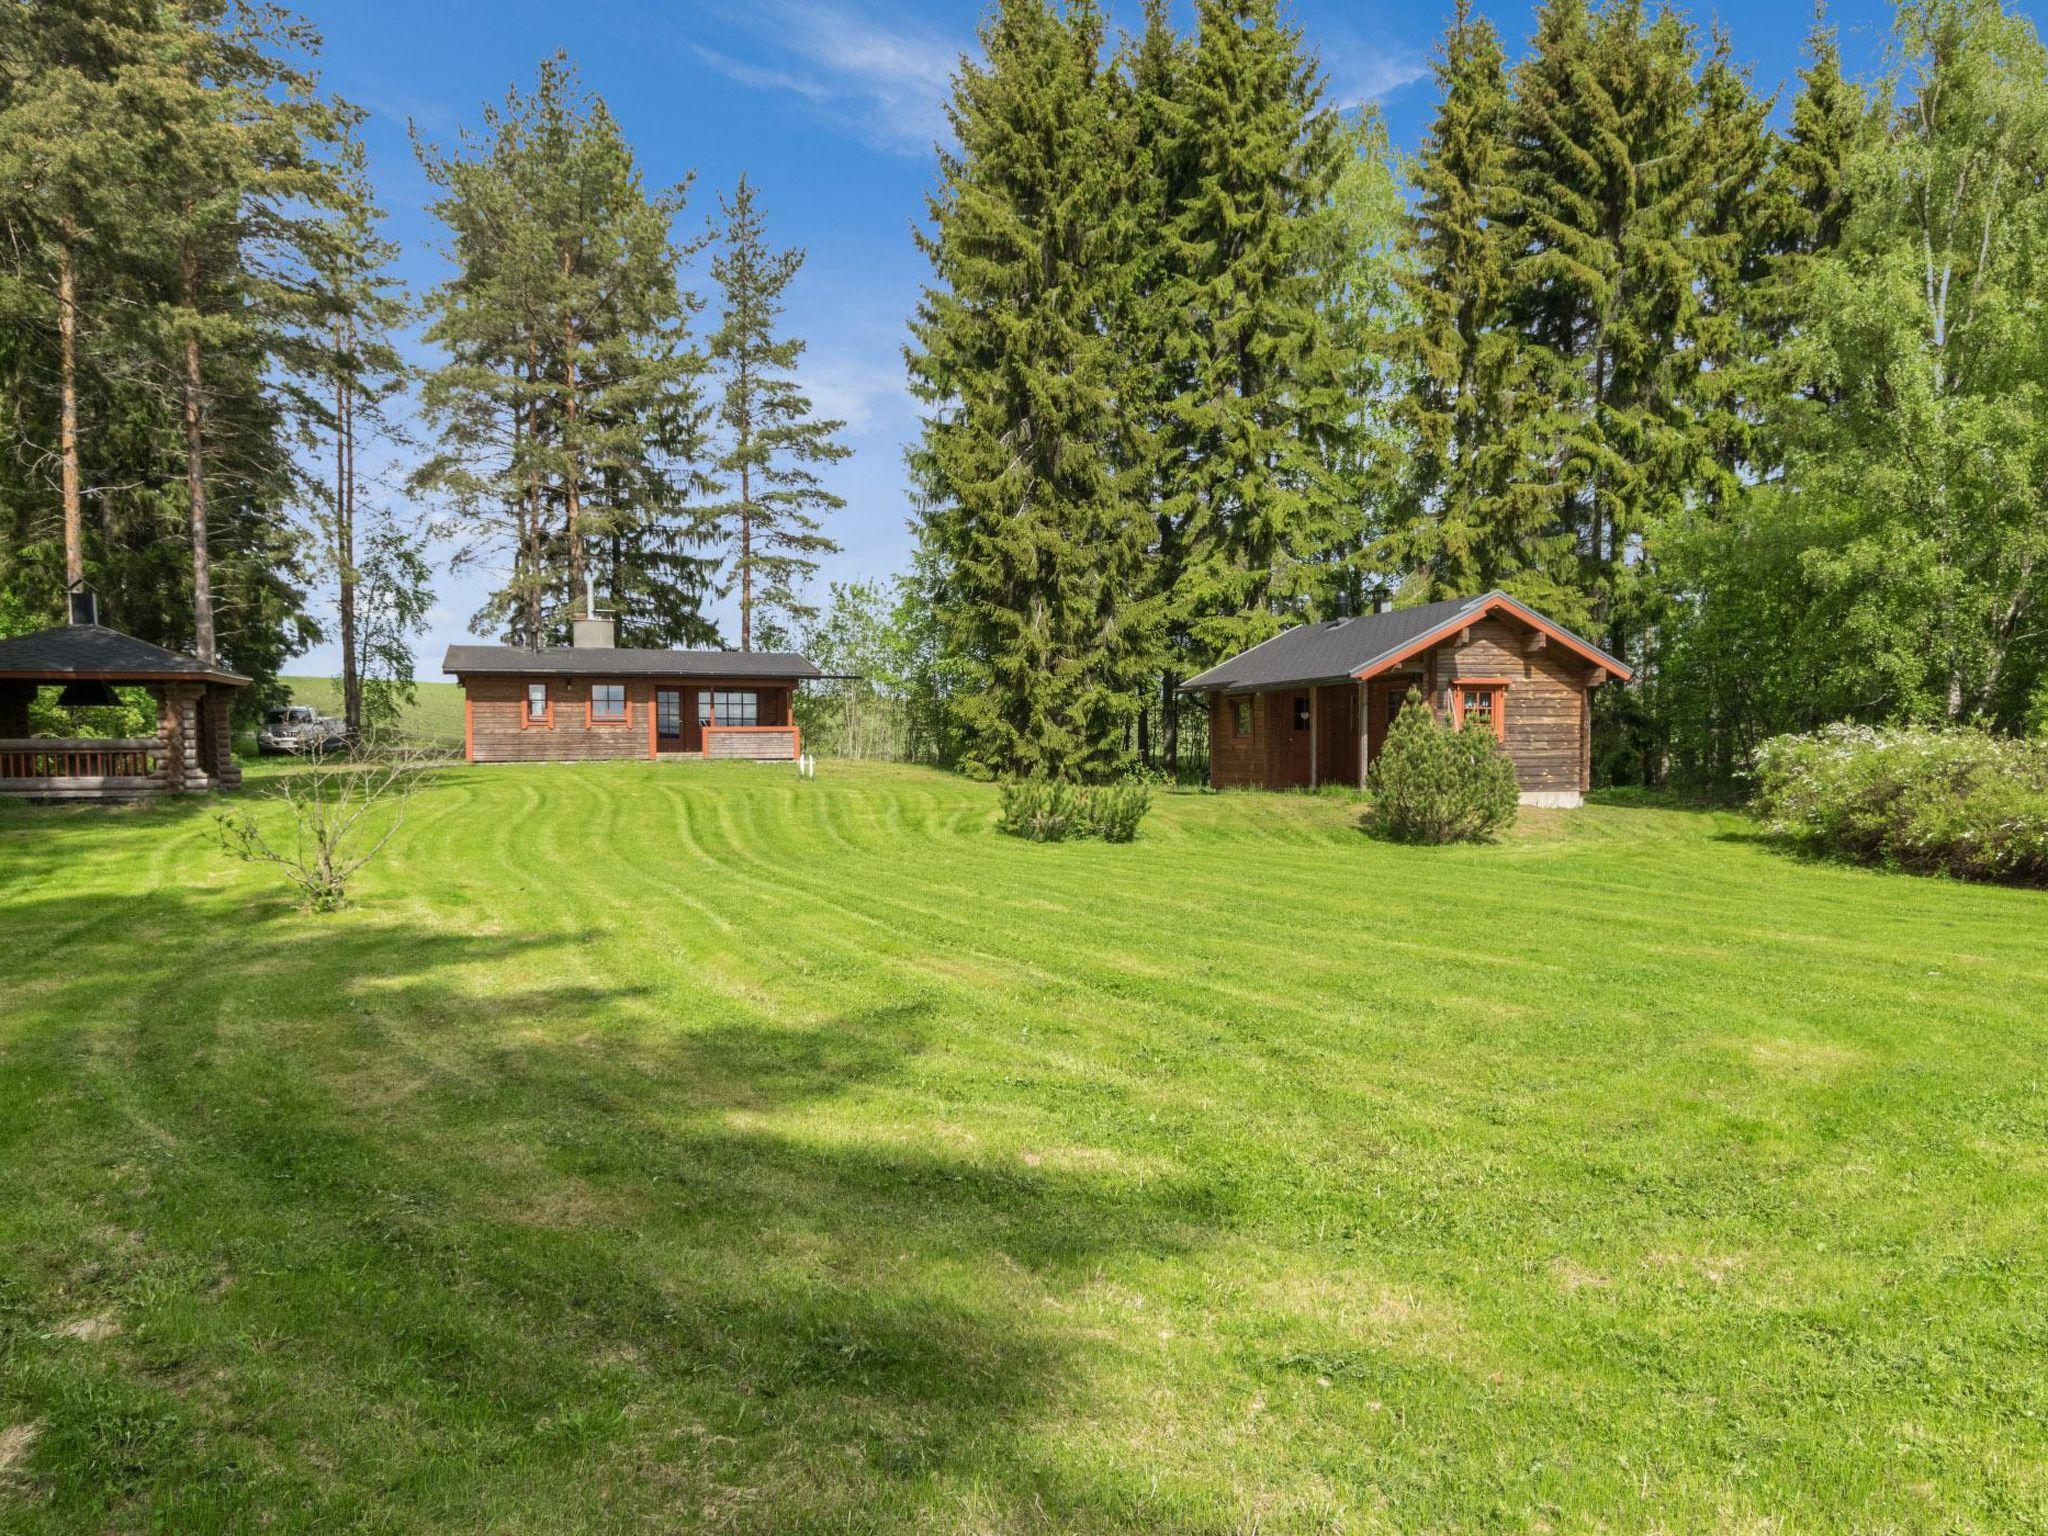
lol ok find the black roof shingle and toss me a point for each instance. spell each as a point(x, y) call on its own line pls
point(608, 661)
point(92, 650)
point(1337, 649)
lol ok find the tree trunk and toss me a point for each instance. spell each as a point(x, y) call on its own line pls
point(572, 487)
point(1169, 724)
point(530, 540)
point(345, 550)
point(746, 560)
point(67, 414)
point(195, 464)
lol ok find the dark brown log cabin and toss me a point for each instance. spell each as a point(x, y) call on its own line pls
point(593, 701)
point(1311, 705)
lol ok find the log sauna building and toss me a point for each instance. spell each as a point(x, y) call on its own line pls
point(592, 701)
point(1312, 705)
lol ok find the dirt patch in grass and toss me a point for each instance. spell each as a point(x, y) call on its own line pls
point(15, 1442)
point(89, 1330)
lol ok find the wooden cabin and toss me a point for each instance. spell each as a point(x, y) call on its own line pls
point(1312, 705)
point(191, 752)
point(593, 701)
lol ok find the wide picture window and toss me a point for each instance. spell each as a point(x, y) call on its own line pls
point(735, 708)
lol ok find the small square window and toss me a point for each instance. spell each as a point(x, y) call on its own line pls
point(1480, 704)
point(608, 701)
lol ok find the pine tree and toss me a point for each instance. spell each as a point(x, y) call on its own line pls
point(237, 190)
point(568, 410)
point(357, 307)
point(120, 125)
point(1036, 555)
point(771, 518)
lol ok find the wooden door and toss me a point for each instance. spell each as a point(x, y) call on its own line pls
point(1296, 736)
point(668, 720)
point(1387, 699)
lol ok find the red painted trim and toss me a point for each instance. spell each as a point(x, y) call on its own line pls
point(653, 721)
point(468, 729)
point(526, 721)
point(1460, 686)
point(1496, 605)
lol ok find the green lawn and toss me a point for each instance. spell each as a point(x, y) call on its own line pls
point(436, 713)
point(682, 1146)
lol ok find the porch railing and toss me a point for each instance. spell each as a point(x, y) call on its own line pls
point(762, 743)
point(56, 763)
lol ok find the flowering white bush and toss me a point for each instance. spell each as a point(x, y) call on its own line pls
point(1960, 802)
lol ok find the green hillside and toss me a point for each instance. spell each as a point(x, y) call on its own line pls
point(436, 713)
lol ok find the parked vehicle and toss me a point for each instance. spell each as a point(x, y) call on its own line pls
point(299, 728)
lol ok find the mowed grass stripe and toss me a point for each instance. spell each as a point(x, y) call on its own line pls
point(663, 1145)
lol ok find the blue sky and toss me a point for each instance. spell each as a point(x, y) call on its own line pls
point(831, 108)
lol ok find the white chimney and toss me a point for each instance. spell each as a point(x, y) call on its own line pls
point(590, 633)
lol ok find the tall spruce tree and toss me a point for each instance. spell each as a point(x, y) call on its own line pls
point(1470, 517)
point(770, 519)
point(1147, 96)
point(1245, 501)
point(1037, 557)
point(1729, 338)
point(1603, 289)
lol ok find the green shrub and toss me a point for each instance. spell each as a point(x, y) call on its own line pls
point(1434, 783)
point(1112, 811)
point(1040, 809)
point(1962, 802)
point(1051, 810)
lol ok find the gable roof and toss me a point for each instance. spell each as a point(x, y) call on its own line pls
point(1345, 650)
point(72, 651)
point(608, 661)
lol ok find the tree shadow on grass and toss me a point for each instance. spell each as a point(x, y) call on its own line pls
point(386, 1245)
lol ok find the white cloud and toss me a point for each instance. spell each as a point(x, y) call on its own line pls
point(886, 82)
point(862, 391)
point(1360, 74)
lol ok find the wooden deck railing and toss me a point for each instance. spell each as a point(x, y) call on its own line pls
point(36, 764)
point(762, 743)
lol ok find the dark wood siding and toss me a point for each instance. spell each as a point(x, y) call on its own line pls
point(498, 734)
point(1236, 759)
point(1547, 730)
point(1545, 708)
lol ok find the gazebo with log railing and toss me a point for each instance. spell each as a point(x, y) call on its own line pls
point(193, 747)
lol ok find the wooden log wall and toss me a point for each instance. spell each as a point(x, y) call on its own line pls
point(1546, 703)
